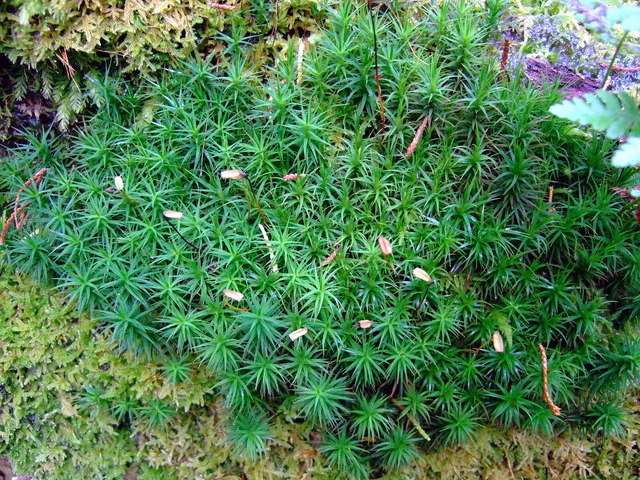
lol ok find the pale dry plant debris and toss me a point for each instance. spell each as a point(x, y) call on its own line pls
point(274, 266)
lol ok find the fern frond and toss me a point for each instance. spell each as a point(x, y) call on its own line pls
point(628, 16)
point(615, 114)
point(628, 155)
point(20, 86)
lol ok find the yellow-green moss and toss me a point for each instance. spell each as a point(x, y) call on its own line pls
point(142, 34)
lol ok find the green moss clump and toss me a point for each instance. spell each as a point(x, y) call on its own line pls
point(514, 217)
point(63, 388)
point(60, 47)
point(51, 357)
point(143, 35)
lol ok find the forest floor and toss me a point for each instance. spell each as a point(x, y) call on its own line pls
point(551, 48)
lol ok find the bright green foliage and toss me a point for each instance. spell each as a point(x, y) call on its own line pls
point(469, 206)
point(71, 407)
point(371, 417)
point(62, 46)
point(322, 400)
point(60, 383)
point(73, 443)
point(397, 449)
point(177, 369)
point(248, 433)
point(345, 453)
point(614, 113)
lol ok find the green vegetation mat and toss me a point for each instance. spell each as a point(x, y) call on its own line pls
point(55, 364)
point(377, 248)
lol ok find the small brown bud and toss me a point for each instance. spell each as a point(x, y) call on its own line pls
point(498, 344)
point(233, 295)
point(422, 275)
point(385, 245)
point(301, 332)
point(232, 174)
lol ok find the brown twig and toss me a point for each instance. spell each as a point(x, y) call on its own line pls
point(37, 178)
point(550, 200)
point(545, 383)
point(477, 350)
point(506, 454)
point(70, 71)
point(18, 216)
point(5, 227)
point(222, 6)
point(416, 138)
point(236, 308)
point(616, 68)
point(504, 59)
point(331, 256)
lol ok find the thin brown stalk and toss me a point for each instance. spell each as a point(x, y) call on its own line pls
point(477, 350)
point(332, 255)
point(617, 68)
point(550, 200)
point(424, 299)
point(393, 270)
point(504, 59)
point(17, 206)
point(246, 195)
point(126, 195)
point(545, 383)
point(236, 308)
point(255, 199)
point(416, 138)
point(70, 71)
point(506, 454)
point(175, 229)
point(18, 216)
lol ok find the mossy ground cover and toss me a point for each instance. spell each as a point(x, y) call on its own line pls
point(258, 237)
point(53, 360)
point(50, 51)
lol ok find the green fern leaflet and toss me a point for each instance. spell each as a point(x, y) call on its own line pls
point(614, 113)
